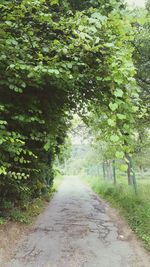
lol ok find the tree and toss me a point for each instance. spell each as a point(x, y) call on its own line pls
point(56, 59)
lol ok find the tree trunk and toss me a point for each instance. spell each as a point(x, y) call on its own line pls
point(111, 170)
point(99, 170)
point(114, 172)
point(107, 170)
point(133, 176)
point(110, 174)
point(104, 172)
point(131, 173)
point(130, 182)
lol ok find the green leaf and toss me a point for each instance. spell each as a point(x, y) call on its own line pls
point(135, 109)
point(81, 28)
point(98, 16)
point(47, 145)
point(3, 170)
point(54, 2)
point(121, 116)
point(99, 78)
point(118, 93)
point(3, 122)
point(113, 106)
point(126, 127)
point(109, 45)
point(119, 155)
point(123, 167)
point(111, 122)
point(114, 138)
point(12, 66)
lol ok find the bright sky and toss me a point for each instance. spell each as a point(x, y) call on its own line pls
point(139, 3)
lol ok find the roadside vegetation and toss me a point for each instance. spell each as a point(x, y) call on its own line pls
point(134, 207)
point(26, 212)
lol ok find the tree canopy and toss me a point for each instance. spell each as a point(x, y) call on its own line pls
point(60, 57)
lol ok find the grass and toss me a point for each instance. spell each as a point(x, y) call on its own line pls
point(57, 181)
point(36, 206)
point(134, 207)
point(2, 221)
point(26, 214)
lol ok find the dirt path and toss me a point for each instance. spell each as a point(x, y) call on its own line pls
point(76, 230)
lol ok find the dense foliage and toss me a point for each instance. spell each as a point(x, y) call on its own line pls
point(60, 57)
point(130, 138)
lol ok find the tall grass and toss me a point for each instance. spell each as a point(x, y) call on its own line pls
point(134, 207)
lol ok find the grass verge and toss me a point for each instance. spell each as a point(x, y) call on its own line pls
point(134, 207)
point(57, 181)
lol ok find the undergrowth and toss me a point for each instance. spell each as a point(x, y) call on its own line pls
point(57, 181)
point(26, 211)
point(134, 207)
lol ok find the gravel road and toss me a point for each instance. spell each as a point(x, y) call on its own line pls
point(77, 230)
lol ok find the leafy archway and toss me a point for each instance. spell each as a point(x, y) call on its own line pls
point(58, 58)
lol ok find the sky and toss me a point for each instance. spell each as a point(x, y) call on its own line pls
point(139, 3)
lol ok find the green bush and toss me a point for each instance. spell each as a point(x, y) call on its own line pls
point(2, 221)
point(19, 216)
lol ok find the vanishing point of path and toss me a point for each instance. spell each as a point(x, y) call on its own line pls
point(77, 230)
